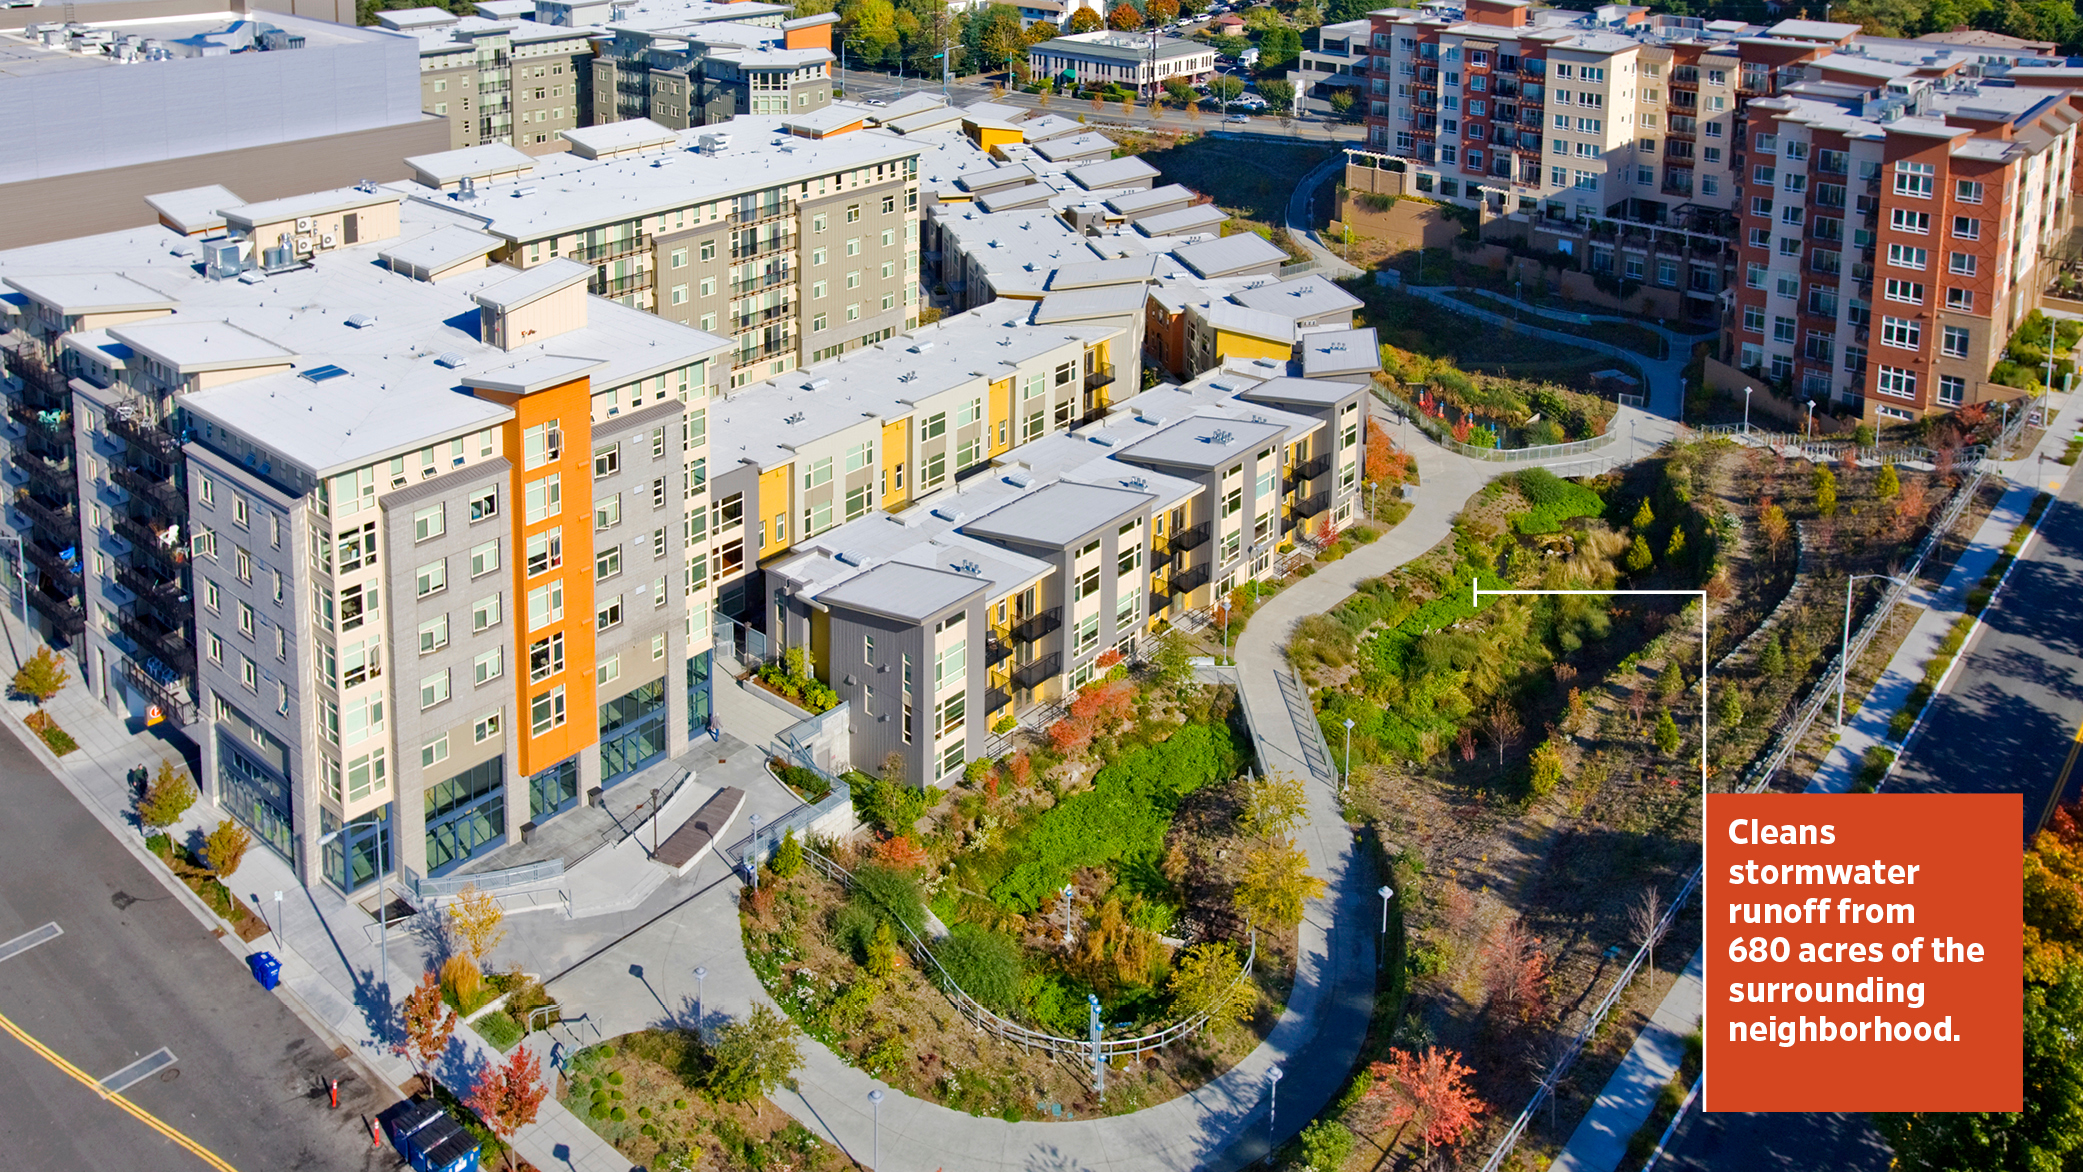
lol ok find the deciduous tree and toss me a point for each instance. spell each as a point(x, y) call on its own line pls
point(1516, 971)
point(1824, 482)
point(166, 798)
point(1429, 1089)
point(1644, 922)
point(507, 1096)
point(42, 676)
point(1125, 18)
point(1274, 804)
point(1085, 20)
point(1503, 724)
point(750, 1058)
point(476, 923)
point(226, 847)
point(901, 852)
point(1276, 883)
point(1204, 980)
point(1161, 12)
point(1773, 527)
point(428, 1022)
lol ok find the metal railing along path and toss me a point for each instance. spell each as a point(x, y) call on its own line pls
point(1439, 434)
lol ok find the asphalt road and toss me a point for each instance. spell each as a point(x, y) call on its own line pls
point(133, 972)
point(1753, 1142)
point(861, 84)
point(2007, 720)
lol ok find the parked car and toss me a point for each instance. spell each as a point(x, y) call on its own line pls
point(1238, 118)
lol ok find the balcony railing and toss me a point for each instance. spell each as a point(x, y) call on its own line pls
point(153, 638)
point(777, 243)
point(757, 213)
point(772, 313)
point(1029, 675)
point(161, 494)
point(170, 705)
point(1190, 539)
point(53, 476)
point(62, 525)
point(1315, 468)
point(148, 435)
point(608, 250)
point(164, 598)
point(996, 698)
point(1039, 625)
point(145, 543)
point(65, 616)
point(761, 280)
point(995, 652)
point(53, 426)
point(1098, 377)
point(59, 572)
point(1187, 581)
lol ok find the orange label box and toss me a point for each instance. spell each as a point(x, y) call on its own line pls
point(1864, 952)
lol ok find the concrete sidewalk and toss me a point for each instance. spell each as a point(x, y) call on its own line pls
point(1600, 1140)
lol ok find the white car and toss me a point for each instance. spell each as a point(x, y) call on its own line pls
point(1238, 118)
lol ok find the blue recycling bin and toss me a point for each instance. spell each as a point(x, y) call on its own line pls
point(266, 969)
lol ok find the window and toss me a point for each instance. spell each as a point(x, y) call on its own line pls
point(433, 578)
point(1953, 343)
point(484, 558)
point(1908, 292)
point(1960, 299)
point(607, 460)
point(1754, 275)
point(1967, 191)
point(607, 563)
point(489, 666)
point(545, 551)
point(679, 258)
point(658, 647)
point(1753, 319)
point(485, 729)
point(1905, 220)
point(1783, 329)
point(1901, 333)
point(433, 635)
point(1914, 179)
point(541, 444)
point(546, 711)
point(608, 670)
point(608, 616)
point(434, 752)
point(484, 504)
point(608, 512)
point(433, 690)
point(1961, 264)
point(950, 714)
point(484, 614)
point(1894, 381)
point(1087, 635)
point(545, 658)
point(544, 498)
point(1952, 390)
point(545, 605)
point(1967, 228)
point(245, 620)
point(658, 543)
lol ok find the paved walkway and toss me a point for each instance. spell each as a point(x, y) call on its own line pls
point(1600, 1139)
point(1666, 376)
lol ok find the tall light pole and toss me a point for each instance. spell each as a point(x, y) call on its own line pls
point(701, 985)
point(1385, 893)
point(1272, 1105)
point(1811, 419)
point(752, 853)
point(1746, 409)
point(383, 918)
point(1347, 783)
point(875, 1105)
point(1844, 648)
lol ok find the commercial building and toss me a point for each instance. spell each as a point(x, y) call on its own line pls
point(1338, 64)
point(402, 539)
point(681, 73)
point(1018, 585)
point(1143, 61)
point(513, 81)
point(107, 102)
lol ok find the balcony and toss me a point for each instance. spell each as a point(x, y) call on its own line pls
point(1030, 675)
point(53, 476)
point(761, 280)
point(996, 698)
point(170, 705)
point(169, 502)
point(165, 557)
point(1315, 468)
point(146, 436)
point(1188, 581)
point(757, 213)
point(54, 427)
point(1039, 625)
point(772, 313)
point(1313, 505)
point(996, 650)
point(65, 616)
point(61, 525)
point(777, 243)
point(59, 571)
point(168, 603)
point(1190, 539)
point(1099, 376)
point(608, 250)
point(153, 638)
point(622, 286)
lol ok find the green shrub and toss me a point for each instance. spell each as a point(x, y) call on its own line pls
point(599, 1111)
point(615, 1077)
point(643, 1112)
point(647, 1130)
point(984, 964)
point(890, 806)
point(1900, 724)
point(619, 1114)
point(679, 1104)
point(1554, 501)
point(1873, 769)
point(1326, 1145)
point(889, 894)
point(498, 1029)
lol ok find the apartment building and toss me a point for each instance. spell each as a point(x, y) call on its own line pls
point(1009, 589)
point(397, 536)
point(1338, 63)
point(513, 81)
point(1893, 240)
point(892, 423)
point(1142, 61)
point(796, 247)
point(679, 74)
point(109, 103)
point(1192, 326)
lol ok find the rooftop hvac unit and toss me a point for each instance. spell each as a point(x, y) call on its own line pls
point(221, 259)
point(303, 223)
point(303, 244)
point(326, 241)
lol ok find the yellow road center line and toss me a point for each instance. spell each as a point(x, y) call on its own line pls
point(139, 1113)
point(2061, 783)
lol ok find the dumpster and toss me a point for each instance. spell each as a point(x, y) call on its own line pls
point(457, 1152)
point(266, 969)
point(404, 1118)
point(429, 1138)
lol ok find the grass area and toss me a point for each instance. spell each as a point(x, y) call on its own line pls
point(1639, 339)
point(1251, 181)
point(189, 869)
point(1418, 326)
point(1668, 1101)
point(59, 741)
point(645, 1094)
point(498, 1029)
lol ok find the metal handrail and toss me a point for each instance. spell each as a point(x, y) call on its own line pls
point(1439, 434)
point(1012, 1031)
point(509, 879)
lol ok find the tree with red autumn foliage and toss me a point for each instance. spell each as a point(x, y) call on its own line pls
point(1021, 769)
point(1430, 1090)
point(1070, 735)
point(1516, 971)
point(1386, 463)
point(507, 1097)
point(1124, 18)
point(1464, 429)
point(428, 1022)
point(901, 853)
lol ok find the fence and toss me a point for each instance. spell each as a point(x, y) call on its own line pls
point(430, 891)
point(1441, 436)
point(1760, 774)
point(1829, 451)
point(1082, 1049)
